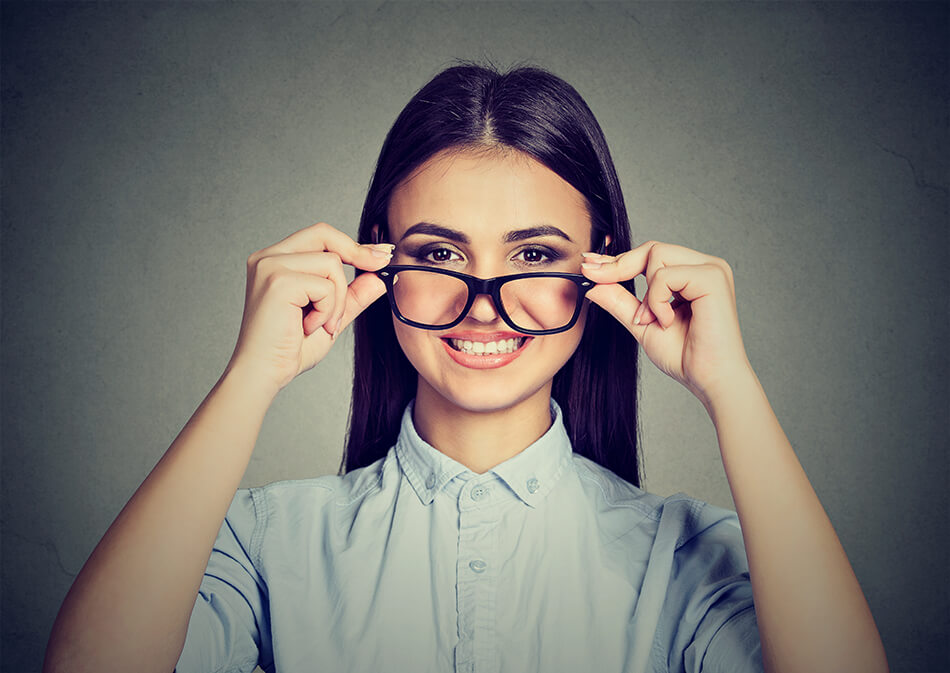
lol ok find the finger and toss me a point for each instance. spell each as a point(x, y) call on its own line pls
point(597, 257)
point(627, 265)
point(667, 254)
point(645, 258)
point(620, 303)
point(323, 237)
point(363, 291)
point(324, 264)
point(690, 282)
point(320, 293)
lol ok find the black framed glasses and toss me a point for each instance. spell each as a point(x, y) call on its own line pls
point(530, 303)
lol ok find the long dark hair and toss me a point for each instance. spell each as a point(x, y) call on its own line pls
point(472, 106)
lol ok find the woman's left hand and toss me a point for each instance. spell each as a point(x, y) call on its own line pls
point(695, 339)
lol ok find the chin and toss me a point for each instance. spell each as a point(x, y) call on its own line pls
point(486, 397)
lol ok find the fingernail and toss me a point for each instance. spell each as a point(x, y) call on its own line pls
point(637, 314)
point(382, 250)
point(591, 265)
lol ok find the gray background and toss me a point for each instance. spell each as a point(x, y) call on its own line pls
point(149, 148)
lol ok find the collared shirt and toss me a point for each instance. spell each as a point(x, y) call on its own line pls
point(548, 562)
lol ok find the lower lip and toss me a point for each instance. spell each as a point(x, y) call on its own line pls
point(483, 361)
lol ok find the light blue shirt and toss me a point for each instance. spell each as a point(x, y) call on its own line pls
point(549, 562)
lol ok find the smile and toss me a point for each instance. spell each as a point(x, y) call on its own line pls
point(500, 346)
point(485, 350)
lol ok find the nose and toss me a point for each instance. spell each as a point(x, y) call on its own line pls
point(483, 309)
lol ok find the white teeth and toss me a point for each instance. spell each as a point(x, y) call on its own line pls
point(487, 347)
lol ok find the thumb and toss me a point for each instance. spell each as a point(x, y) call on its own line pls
point(365, 289)
point(620, 303)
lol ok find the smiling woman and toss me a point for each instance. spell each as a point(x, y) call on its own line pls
point(488, 514)
point(487, 206)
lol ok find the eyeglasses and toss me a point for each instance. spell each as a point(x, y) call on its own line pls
point(531, 303)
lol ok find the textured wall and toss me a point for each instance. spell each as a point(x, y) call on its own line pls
point(149, 148)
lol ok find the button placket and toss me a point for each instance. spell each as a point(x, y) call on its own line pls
point(478, 516)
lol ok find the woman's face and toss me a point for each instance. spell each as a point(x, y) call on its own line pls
point(487, 215)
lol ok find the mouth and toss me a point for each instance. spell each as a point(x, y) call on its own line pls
point(484, 348)
point(479, 350)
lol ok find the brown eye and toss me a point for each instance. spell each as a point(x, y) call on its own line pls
point(533, 255)
point(440, 255)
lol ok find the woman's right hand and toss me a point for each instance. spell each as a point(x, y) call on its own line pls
point(279, 338)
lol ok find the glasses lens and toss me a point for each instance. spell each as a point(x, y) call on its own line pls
point(429, 298)
point(540, 303)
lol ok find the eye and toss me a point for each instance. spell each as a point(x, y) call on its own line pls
point(440, 255)
point(535, 256)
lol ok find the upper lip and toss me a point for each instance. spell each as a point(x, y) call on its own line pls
point(483, 336)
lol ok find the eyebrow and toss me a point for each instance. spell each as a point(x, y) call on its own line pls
point(535, 232)
point(429, 229)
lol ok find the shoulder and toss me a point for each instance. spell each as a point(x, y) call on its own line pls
point(287, 508)
point(311, 497)
point(678, 518)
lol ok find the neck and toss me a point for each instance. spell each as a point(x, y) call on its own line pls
point(480, 440)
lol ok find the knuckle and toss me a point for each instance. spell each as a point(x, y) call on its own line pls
point(267, 265)
point(272, 281)
point(724, 267)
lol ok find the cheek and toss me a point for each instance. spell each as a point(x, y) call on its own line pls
point(559, 348)
point(411, 340)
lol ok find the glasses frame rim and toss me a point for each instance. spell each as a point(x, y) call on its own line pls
point(487, 286)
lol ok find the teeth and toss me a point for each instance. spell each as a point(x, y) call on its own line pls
point(487, 347)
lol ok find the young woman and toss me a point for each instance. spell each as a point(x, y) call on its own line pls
point(488, 516)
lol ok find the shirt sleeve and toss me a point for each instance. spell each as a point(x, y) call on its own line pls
point(717, 630)
point(229, 628)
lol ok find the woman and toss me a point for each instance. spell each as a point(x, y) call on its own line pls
point(489, 515)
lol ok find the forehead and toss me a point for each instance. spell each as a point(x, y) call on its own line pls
point(487, 194)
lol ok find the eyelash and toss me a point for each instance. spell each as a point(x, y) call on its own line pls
point(422, 255)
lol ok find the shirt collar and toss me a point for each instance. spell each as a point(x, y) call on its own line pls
point(531, 473)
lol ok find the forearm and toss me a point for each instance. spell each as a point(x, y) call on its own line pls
point(129, 607)
point(811, 612)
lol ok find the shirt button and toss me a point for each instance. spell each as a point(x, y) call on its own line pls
point(533, 485)
point(478, 565)
point(479, 492)
point(430, 481)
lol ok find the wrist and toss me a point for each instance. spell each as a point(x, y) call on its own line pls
point(248, 383)
point(732, 394)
